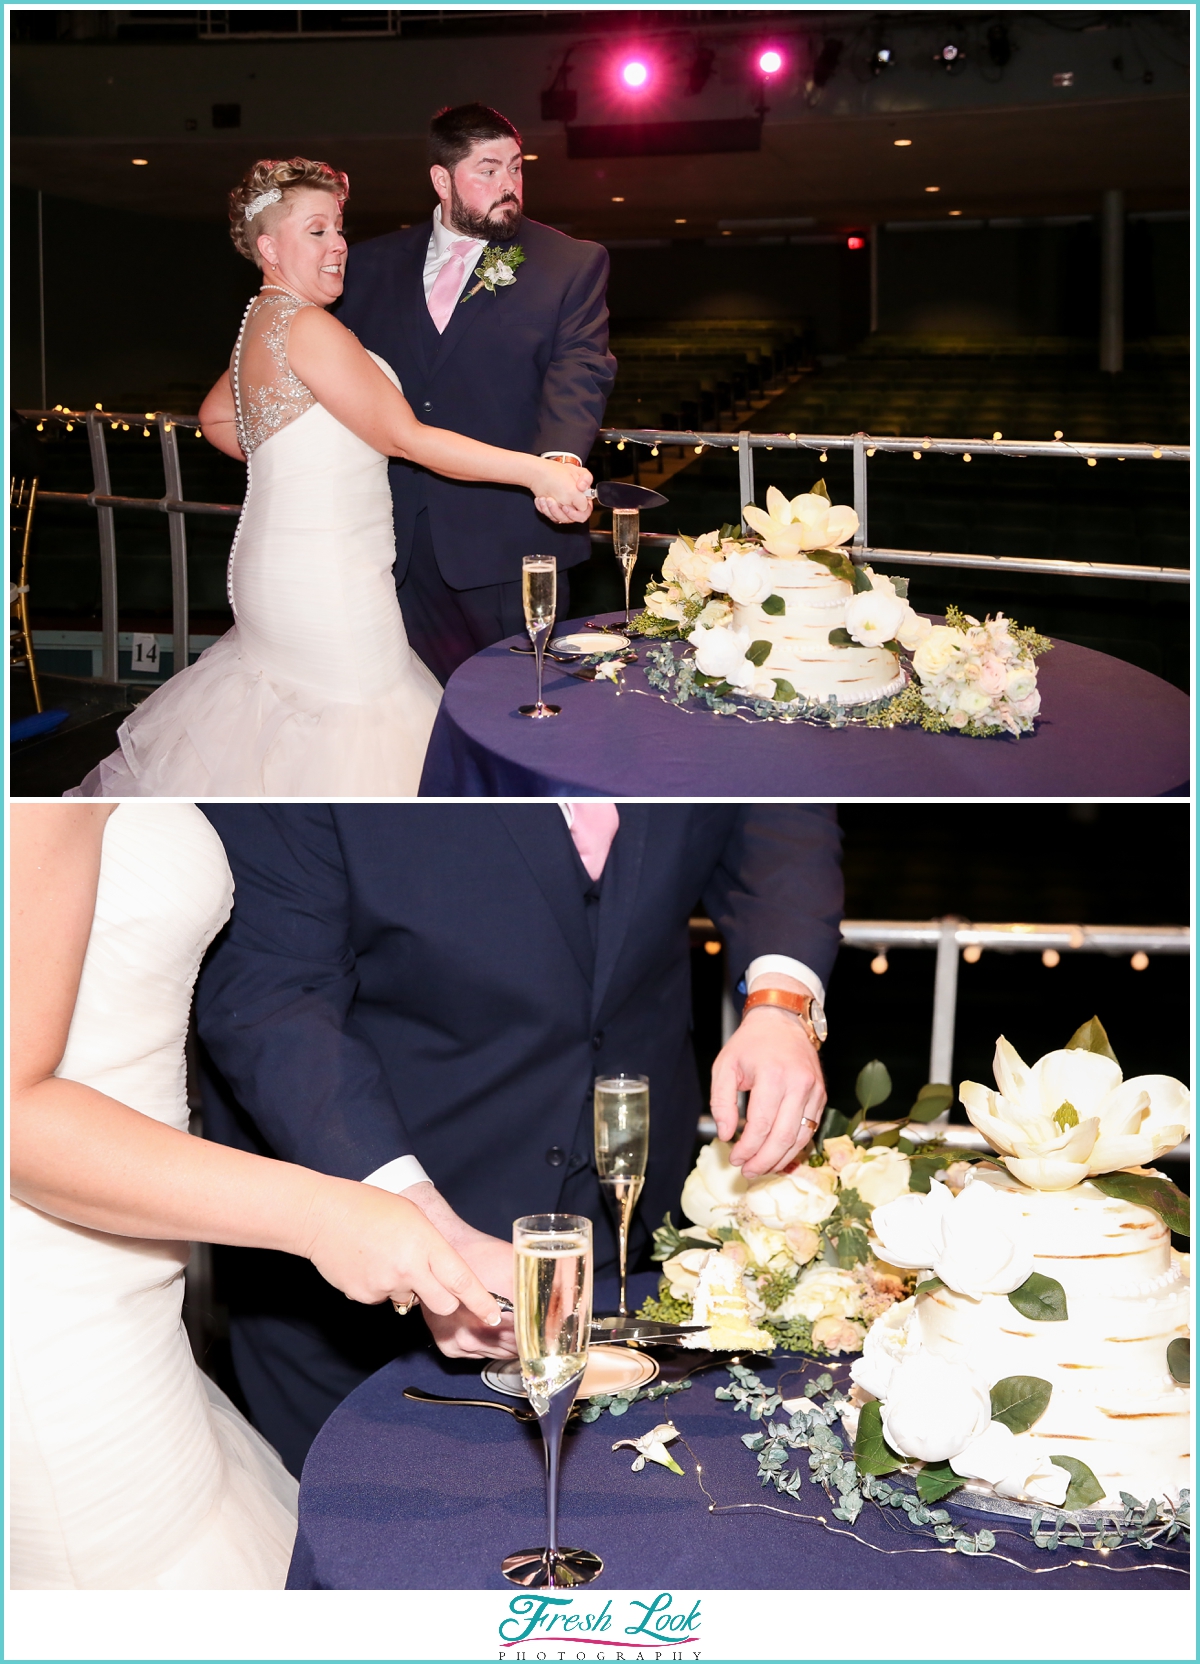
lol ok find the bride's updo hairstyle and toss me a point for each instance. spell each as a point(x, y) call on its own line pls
point(276, 181)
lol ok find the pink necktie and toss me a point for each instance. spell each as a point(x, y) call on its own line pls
point(448, 283)
point(593, 828)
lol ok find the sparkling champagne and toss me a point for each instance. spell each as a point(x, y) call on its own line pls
point(626, 526)
point(552, 1297)
point(622, 1111)
point(539, 592)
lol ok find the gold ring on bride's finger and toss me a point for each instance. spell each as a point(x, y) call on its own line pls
point(403, 1310)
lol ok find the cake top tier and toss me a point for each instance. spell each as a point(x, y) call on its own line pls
point(1089, 1242)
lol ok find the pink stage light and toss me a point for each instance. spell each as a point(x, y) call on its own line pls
point(635, 73)
point(855, 242)
point(770, 62)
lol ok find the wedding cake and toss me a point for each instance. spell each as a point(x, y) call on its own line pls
point(1045, 1350)
point(814, 603)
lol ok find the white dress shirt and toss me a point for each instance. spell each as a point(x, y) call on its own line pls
point(398, 1175)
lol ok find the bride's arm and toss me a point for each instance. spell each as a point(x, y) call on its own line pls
point(84, 1157)
point(343, 377)
point(218, 419)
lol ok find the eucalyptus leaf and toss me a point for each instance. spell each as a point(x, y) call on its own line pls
point(1090, 1037)
point(1084, 1488)
point(852, 1248)
point(872, 1453)
point(758, 653)
point(928, 1286)
point(841, 637)
point(1041, 1299)
point(932, 1100)
point(1018, 1401)
point(1179, 1360)
point(885, 1140)
point(936, 1480)
point(819, 490)
point(1158, 1194)
point(774, 606)
point(874, 1084)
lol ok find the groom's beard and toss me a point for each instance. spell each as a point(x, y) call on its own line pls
point(500, 221)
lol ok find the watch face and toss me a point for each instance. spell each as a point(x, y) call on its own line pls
point(816, 1016)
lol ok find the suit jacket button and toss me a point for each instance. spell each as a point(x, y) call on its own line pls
point(597, 1040)
point(427, 405)
point(555, 1156)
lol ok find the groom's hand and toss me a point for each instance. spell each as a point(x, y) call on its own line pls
point(770, 1056)
point(460, 1335)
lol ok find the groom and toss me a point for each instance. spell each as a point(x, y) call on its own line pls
point(523, 364)
point(421, 996)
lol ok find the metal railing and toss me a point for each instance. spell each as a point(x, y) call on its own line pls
point(176, 507)
point(865, 445)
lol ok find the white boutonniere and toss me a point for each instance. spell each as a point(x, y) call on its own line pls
point(497, 268)
point(652, 1446)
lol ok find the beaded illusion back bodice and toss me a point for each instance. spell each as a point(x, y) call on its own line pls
point(267, 392)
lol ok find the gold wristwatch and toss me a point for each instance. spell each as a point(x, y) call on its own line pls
point(805, 1006)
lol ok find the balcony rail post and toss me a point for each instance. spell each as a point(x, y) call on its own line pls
point(859, 539)
point(945, 1004)
point(102, 487)
point(745, 477)
point(173, 478)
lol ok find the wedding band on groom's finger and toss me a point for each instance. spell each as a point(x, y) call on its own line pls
point(403, 1310)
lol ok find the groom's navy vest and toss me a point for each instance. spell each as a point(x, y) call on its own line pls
point(443, 980)
point(526, 368)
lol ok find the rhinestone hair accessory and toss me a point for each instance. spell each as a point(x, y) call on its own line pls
point(264, 200)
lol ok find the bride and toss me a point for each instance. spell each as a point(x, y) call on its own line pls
point(315, 691)
point(128, 1467)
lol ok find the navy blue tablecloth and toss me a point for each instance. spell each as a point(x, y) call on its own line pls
point(401, 1495)
point(1108, 730)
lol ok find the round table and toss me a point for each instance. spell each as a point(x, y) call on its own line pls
point(1109, 730)
point(402, 1495)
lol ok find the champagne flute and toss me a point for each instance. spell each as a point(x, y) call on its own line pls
point(625, 542)
point(539, 584)
point(622, 1105)
point(552, 1313)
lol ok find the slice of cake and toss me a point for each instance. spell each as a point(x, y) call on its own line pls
point(721, 1301)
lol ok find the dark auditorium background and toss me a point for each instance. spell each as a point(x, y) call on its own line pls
point(897, 231)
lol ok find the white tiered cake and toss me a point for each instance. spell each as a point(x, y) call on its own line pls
point(1114, 1404)
point(814, 604)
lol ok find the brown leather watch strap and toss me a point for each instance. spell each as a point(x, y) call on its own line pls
point(784, 1000)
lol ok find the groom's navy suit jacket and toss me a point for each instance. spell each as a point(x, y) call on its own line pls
point(526, 368)
point(447, 981)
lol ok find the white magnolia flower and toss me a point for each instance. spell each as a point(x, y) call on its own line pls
point(683, 1270)
point(807, 522)
point(874, 616)
point(823, 1291)
point(722, 652)
point(913, 630)
point(688, 567)
point(1071, 1115)
point(804, 1196)
point(878, 1175)
point(744, 578)
point(889, 1341)
point(714, 1187)
point(977, 1242)
point(934, 1408)
point(935, 653)
point(652, 1447)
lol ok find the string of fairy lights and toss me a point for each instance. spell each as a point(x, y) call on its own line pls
point(119, 421)
point(652, 439)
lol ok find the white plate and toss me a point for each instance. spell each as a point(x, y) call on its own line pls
point(609, 1369)
point(590, 641)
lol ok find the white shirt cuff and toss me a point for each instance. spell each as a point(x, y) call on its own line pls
point(397, 1175)
point(558, 455)
point(783, 966)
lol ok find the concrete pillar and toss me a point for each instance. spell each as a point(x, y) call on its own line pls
point(1112, 281)
point(874, 248)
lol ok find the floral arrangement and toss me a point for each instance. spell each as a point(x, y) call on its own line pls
point(978, 679)
point(497, 268)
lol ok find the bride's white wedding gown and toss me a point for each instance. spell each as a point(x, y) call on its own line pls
point(129, 1468)
point(315, 691)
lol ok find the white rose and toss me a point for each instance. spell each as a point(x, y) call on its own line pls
point(913, 630)
point(939, 647)
point(768, 1247)
point(722, 652)
point(823, 1291)
point(934, 1408)
point(802, 1197)
point(683, 1271)
point(1020, 682)
point(879, 1175)
point(688, 567)
point(665, 603)
point(715, 613)
point(874, 616)
point(886, 1346)
point(972, 701)
point(744, 578)
point(1033, 1477)
point(990, 1456)
point(713, 1188)
point(502, 274)
point(977, 1242)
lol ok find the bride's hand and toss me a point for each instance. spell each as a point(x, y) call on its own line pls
point(375, 1246)
point(560, 491)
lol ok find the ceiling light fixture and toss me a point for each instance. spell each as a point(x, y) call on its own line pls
point(530, 156)
point(931, 189)
point(618, 199)
point(635, 73)
point(140, 161)
point(770, 61)
point(901, 144)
